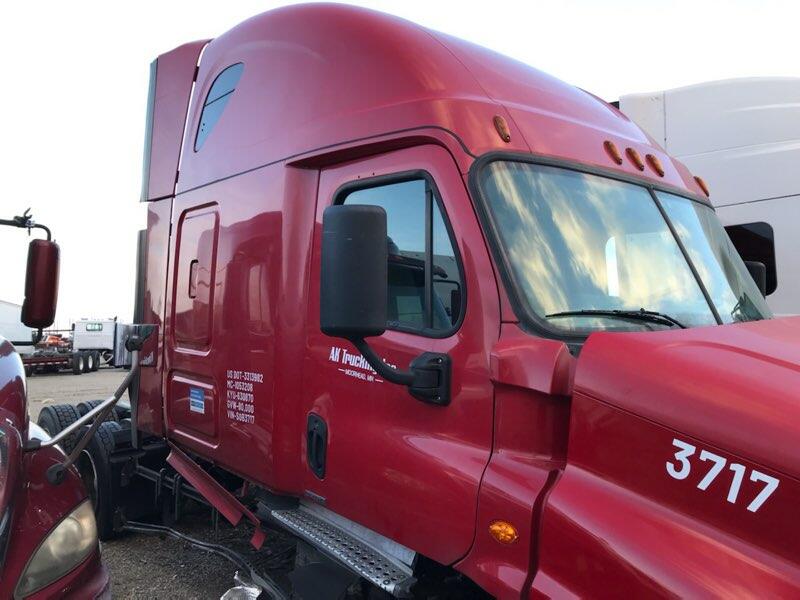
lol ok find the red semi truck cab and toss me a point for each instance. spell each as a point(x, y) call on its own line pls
point(430, 303)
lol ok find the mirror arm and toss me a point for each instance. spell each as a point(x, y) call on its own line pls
point(428, 380)
point(56, 473)
point(381, 368)
point(26, 222)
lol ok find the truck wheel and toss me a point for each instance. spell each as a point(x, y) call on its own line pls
point(94, 466)
point(28, 371)
point(88, 362)
point(96, 359)
point(87, 405)
point(77, 363)
point(53, 419)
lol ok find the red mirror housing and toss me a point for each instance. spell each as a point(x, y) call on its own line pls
point(41, 284)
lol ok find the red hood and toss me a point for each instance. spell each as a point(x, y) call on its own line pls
point(737, 387)
point(10, 466)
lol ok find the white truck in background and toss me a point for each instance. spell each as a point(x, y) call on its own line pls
point(11, 326)
point(101, 336)
point(742, 136)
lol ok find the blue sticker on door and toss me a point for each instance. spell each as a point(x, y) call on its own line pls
point(197, 400)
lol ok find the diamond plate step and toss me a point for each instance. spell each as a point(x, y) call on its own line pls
point(361, 558)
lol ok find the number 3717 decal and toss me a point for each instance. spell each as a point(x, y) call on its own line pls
point(681, 466)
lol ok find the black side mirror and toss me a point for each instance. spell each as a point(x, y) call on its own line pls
point(354, 296)
point(41, 284)
point(354, 271)
point(758, 271)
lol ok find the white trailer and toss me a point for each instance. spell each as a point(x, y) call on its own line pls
point(742, 136)
point(94, 334)
point(11, 326)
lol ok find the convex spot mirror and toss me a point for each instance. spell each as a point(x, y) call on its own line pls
point(41, 284)
point(354, 265)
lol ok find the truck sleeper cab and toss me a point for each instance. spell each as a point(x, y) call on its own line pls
point(600, 339)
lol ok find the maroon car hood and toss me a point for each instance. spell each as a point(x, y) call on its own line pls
point(734, 386)
point(10, 467)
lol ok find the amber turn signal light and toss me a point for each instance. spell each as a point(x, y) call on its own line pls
point(613, 151)
point(634, 157)
point(655, 164)
point(702, 185)
point(502, 128)
point(504, 532)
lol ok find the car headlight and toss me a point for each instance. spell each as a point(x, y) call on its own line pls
point(65, 547)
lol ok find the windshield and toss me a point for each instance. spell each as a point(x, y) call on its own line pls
point(577, 242)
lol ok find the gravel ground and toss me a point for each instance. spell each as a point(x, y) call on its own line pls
point(66, 388)
point(152, 566)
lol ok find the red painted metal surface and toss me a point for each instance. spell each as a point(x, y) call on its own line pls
point(13, 389)
point(532, 380)
point(225, 502)
point(35, 505)
point(151, 385)
point(572, 451)
point(419, 455)
point(618, 517)
point(175, 72)
point(266, 219)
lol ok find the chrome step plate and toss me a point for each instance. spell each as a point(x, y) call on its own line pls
point(356, 555)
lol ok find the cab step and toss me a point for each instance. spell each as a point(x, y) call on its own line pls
point(341, 542)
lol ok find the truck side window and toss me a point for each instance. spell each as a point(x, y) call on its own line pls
point(221, 91)
point(756, 241)
point(414, 219)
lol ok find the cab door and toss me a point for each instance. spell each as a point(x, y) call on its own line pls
point(374, 454)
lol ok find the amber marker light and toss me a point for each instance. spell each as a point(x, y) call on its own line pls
point(502, 128)
point(613, 151)
point(702, 185)
point(504, 532)
point(655, 164)
point(634, 157)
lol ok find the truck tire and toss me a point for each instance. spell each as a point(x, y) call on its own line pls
point(88, 362)
point(123, 412)
point(87, 405)
point(77, 363)
point(96, 359)
point(28, 371)
point(53, 419)
point(94, 466)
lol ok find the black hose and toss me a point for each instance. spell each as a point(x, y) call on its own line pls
point(237, 559)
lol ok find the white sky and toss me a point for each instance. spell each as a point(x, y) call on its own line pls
point(75, 84)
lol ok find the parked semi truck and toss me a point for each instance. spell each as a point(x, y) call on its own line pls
point(89, 344)
point(103, 338)
point(743, 136)
point(55, 352)
point(455, 326)
point(48, 535)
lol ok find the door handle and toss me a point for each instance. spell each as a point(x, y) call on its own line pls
point(193, 275)
point(316, 444)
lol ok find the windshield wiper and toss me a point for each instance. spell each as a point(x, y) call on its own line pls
point(637, 315)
